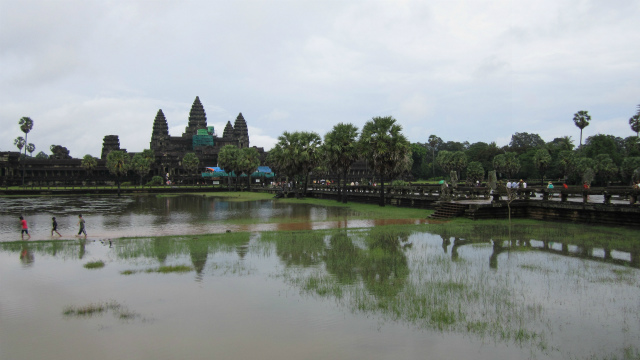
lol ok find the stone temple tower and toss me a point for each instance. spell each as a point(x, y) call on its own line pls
point(241, 132)
point(160, 133)
point(197, 119)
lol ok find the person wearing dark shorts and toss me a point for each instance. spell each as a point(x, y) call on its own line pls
point(81, 224)
point(54, 226)
point(25, 228)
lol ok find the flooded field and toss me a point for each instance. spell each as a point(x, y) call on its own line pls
point(436, 291)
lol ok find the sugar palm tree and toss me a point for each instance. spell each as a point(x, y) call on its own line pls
point(228, 160)
point(26, 124)
point(118, 164)
point(634, 122)
point(89, 163)
point(31, 148)
point(190, 162)
point(386, 149)
point(581, 119)
point(340, 151)
point(248, 163)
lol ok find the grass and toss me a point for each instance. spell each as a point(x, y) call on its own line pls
point(95, 309)
point(164, 269)
point(94, 264)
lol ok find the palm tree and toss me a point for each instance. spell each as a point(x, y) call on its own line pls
point(118, 164)
point(26, 124)
point(386, 149)
point(248, 163)
point(19, 143)
point(634, 122)
point(542, 160)
point(581, 119)
point(89, 163)
point(228, 160)
point(340, 151)
point(141, 163)
point(31, 148)
point(434, 142)
point(190, 162)
point(296, 155)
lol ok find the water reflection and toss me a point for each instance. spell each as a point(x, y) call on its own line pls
point(435, 282)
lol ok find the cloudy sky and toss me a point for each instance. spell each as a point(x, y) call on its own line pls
point(465, 70)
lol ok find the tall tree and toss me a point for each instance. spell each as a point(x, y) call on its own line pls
point(26, 124)
point(190, 163)
point(458, 162)
point(89, 163)
point(434, 144)
point(19, 143)
point(522, 142)
point(475, 172)
point(118, 165)
point(228, 160)
point(634, 122)
point(542, 160)
point(581, 119)
point(31, 148)
point(248, 163)
point(141, 163)
point(444, 160)
point(296, 155)
point(340, 150)
point(385, 148)
point(606, 169)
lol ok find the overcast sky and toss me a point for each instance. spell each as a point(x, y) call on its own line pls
point(466, 70)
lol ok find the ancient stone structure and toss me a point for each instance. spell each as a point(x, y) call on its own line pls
point(169, 151)
point(198, 138)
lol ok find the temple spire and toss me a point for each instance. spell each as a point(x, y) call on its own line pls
point(197, 119)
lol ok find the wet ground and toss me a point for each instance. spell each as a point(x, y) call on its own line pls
point(386, 292)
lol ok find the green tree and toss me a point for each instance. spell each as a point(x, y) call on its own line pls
point(42, 155)
point(118, 165)
point(458, 162)
point(26, 124)
point(295, 156)
point(19, 143)
point(434, 144)
point(190, 163)
point(475, 172)
point(248, 163)
point(89, 163)
point(444, 161)
point(523, 142)
point(581, 119)
point(228, 160)
point(340, 151)
point(542, 160)
point(634, 122)
point(606, 169)
point(386, 149)
point(141, 163)
point(586, 168)
point(628, 167)
point(31, 148)
point(566, 162)
point(512, 164)
point(603, 144)
point(419, 168)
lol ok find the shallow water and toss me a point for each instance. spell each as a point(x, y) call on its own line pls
point(131, 216)
point(378, 293)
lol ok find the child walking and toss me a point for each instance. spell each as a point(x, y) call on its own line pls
point(54, 226)
point(81, 224)
point(25, 228)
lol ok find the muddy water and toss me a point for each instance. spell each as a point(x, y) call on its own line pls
point(378, 293)
point(132, 216)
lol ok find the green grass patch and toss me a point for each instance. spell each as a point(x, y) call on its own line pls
point(94, 264)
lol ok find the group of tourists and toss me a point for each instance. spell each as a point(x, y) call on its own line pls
point(54, 227)
point(516, 185)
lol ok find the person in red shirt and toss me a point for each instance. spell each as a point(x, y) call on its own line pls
point(25, 228)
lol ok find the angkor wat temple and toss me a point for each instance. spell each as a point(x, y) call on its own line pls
point(169, 151)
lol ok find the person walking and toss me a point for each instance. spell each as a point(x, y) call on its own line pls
point(54, 226)
point(81, 224)
point(25, 228)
